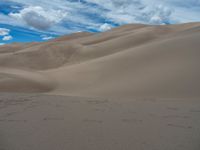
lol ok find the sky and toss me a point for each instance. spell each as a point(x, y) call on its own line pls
point(41, 20)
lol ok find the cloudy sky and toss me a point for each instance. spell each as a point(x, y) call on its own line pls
point(40, 20)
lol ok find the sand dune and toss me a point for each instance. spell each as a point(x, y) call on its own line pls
point(136, 87)
point(132, 60)
point(14, 80)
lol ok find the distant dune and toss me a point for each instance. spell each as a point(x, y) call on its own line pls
point(129, 61)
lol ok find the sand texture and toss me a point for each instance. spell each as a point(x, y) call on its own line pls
point(39, 122)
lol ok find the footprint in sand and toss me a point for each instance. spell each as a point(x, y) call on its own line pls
point(132, 120)
point(92, 121)
point(172, 108)
point(179, 126)
point(174, 116)
point(195, 111)
point(52, 119)
point(97, 101)
point(13, 120)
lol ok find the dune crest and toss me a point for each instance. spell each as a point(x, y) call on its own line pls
point(132, 60)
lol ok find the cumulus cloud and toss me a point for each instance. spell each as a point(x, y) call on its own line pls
point(105, 27)
point(157, 15)
point(67, 16)
point(135, 11)
point(7, 38)
point(38, 17)
point(4, 31)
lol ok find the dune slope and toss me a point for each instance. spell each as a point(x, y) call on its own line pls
point(129, 61)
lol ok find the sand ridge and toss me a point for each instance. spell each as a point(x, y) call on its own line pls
point(132, 60)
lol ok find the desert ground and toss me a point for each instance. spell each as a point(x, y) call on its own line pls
point(132, 87)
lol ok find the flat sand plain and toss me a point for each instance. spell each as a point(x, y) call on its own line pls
point(45, 122)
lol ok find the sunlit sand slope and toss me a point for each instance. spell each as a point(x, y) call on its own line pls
point(132, 60)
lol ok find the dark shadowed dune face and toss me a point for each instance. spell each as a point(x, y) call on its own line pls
point(132, 60)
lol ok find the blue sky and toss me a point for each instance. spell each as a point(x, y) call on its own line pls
point(40, 20)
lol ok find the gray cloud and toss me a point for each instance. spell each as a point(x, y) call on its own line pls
point(39, 18)
point(135, 11)
point(156, 15)
point(65, 16)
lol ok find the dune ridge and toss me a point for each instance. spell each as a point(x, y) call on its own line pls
point(132, 60)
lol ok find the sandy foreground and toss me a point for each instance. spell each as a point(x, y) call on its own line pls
point(41, 122)
point(136, 87)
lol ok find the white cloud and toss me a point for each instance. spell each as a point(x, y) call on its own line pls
point(45, 37)
point(157, 15)
point(135, 11)
point(2, 44)
point(4, 31)
point(7, 38)
point(105, 27)
point(66, 16)
point(183, 10)
point(39, 18)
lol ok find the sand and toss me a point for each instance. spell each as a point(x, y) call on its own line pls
point(133, 87)
point(42, 122)
point(129, 61)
